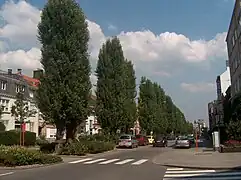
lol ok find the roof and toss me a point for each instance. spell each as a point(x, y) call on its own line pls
point(31, 81)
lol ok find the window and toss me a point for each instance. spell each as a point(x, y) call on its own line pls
point(19, 88)
point(31, 94)
point(233, 41)
point(4, 104)
point(235, 35)
point(31, 129)
point(17, 125)
point(3, 85)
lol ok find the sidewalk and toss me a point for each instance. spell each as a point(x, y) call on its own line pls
point(201, 159)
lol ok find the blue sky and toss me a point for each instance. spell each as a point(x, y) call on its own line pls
point(179, 44)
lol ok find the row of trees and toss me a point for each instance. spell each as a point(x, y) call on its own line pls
point(158, 113)
point(63, 95)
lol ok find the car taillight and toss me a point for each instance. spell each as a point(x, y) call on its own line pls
point(142, 138)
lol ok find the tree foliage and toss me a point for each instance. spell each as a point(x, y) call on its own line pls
point(116, 92)
point(157, 112)
point(65, 86)
point(20, 109)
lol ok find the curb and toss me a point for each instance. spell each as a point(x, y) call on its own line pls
point(199, 167)
point(29, 166)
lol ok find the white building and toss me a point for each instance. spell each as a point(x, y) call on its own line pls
point(11, 84)
point(223, 82)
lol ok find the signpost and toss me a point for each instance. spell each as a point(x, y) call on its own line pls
point(23, 127)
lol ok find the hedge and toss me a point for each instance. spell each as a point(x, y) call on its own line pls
point(85, 144)
point(12, 137)
point(84, 147)
point(20, 156)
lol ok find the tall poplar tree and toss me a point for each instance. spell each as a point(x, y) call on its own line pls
point(65, 86)
point(130, 97)
point(110, 71)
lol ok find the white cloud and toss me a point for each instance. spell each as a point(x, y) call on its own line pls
point(21, 21)
point(198, 87)
point(148, 51)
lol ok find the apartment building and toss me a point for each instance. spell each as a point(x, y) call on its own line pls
point(11, 84)
point(234, 48)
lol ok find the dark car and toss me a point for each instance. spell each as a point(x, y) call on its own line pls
point(142, 140)
point(160, 141)
point(191, 139)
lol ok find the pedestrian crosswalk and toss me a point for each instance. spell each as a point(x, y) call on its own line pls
point(193, 174)
point(102, 161)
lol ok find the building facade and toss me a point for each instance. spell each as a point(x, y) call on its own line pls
point(11, 84)
point(234, 48)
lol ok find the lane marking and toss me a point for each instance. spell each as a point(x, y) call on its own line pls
point(94, 161)
point(140, 162)
point(6, 174)
point(125, 161)
point(198, 171)
point(182, 175)
point(81, 160)
point(109, 161)
point(174, 169)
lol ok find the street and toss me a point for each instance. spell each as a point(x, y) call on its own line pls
point(123, 164)
point(120, 164)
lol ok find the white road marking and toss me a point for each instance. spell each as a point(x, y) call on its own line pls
point(5, 174)
point(94, 161)
point(140, 162)
point(183, 172)
point(80, 161)
point(174, 169)
point(109, 161)
point(124, 162)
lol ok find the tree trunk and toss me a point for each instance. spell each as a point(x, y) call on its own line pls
point(71, 130)
point(59, 139)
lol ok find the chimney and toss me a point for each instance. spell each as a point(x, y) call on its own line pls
point(37, 73)
point(227, 63)
point(19, 71)
point(10, 71)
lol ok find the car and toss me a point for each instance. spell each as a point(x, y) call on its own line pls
point(191, 139)
point(142, 140)
point(150, 139)
point(160, 141)
point(127, 141)
point(183, 142)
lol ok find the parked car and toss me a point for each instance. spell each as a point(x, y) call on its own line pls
point(128, 141)
point(160, 141)
point(183, 142)
point(142, 140)
point(191, 139)
point(150, 139)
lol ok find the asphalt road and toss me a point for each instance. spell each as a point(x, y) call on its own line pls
point(121, 164)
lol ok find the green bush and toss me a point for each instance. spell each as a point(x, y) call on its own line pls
point(99, 137)
point(82, 147)
point(41, 140)
point(76, 148)
point(48, 147)
point(20, 156)
point(12, 137)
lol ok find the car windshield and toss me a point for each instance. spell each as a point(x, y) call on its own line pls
point(125, 137)
point(149, 137)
